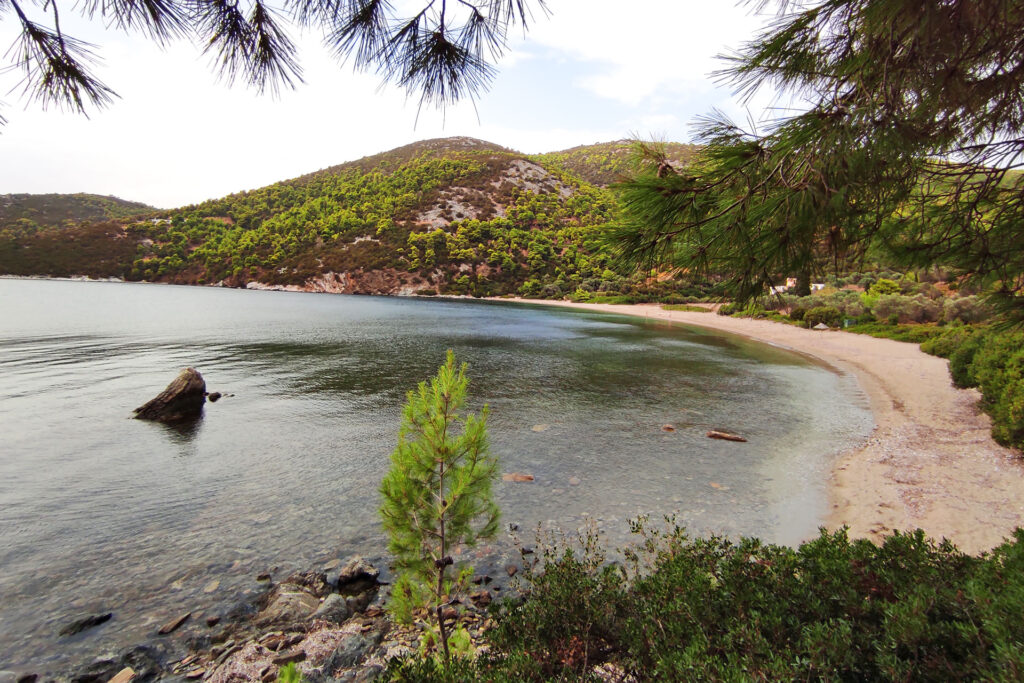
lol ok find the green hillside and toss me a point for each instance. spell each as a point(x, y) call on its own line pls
point(454, 216)
point(607, 162)
point(34, 211)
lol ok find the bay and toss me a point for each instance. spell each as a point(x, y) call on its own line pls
point(100, 512)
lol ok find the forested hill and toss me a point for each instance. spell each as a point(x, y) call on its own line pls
point(455, 215)
point(607, 162)
point(33, 211)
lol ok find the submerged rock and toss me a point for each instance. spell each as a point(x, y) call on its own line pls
point(84, 623)
point(183, 399)
point(174, 624)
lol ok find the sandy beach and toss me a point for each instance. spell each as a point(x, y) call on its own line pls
point(930, 462)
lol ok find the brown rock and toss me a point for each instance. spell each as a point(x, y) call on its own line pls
point(195, 673)
point(289, 657)
point(667, 428)
point(574, 481)
point(123, 676)
point(212, 621)
point(212, 586)
point(481, 598)
point(183, 399)
point(511, 569)
point(516, 476)
point(265, 576)
point(290, 604)
point(174, 624)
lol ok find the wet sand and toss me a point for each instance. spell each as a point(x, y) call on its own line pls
point(930, 462)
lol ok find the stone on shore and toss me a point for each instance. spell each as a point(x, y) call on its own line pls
point(183, 399)
point(516, 477)
point(124, 675)
point(334, 609)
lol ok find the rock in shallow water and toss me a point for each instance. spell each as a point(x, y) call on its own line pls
point(183, 399)
point(83, 623)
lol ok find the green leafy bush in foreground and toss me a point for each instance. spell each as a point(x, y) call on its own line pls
point(712, 609)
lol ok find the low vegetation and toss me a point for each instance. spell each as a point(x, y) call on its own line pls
point(681, 608)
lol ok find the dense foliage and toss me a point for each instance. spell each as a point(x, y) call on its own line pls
point(711, 609)
point(908, 145)
point(992, 361)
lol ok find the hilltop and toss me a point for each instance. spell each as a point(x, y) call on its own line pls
point(453, 215)
point(34, 211)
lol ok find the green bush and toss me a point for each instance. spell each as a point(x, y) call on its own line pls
point(907, 309)
point(711, 609)
point(797, 314)
point(966, 309)
point(961, 360)
point(948, 341)
point(829, 315)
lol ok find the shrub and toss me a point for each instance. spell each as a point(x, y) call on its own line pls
point(829, 315)
point(946, 343)
point(883, 287)
point(967, 309)
point(961, 360)
point(717, 610)
point(906, 309)
point(797, 314)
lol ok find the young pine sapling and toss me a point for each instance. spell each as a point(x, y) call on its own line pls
point(437, 495)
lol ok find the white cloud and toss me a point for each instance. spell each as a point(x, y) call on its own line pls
point(647, 46)
point(179, 136)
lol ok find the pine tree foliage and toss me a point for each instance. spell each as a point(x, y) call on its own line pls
point(908, 139)
point(444, 51)
point(437, 495)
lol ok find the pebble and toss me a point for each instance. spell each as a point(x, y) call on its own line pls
point(574, 481)
point(212, 586)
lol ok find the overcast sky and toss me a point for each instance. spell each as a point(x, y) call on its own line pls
point(594, 71)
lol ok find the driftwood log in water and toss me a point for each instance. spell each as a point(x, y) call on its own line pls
point(725, 436)
point(182, 399)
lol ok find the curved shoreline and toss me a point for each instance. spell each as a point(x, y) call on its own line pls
point(930, 462)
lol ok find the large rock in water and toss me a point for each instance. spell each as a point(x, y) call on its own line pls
point(183, 399)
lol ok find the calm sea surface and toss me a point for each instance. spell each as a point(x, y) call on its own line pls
point(99, 512)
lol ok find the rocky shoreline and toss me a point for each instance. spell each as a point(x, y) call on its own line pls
point(330, 621)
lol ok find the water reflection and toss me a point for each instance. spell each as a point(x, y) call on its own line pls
point(184, 432)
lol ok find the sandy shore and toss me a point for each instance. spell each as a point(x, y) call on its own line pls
point(930, 462)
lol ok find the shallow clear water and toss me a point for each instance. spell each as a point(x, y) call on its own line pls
point(99, 512)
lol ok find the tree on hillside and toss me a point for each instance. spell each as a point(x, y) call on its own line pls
point(907, 139)
point(444, 51)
